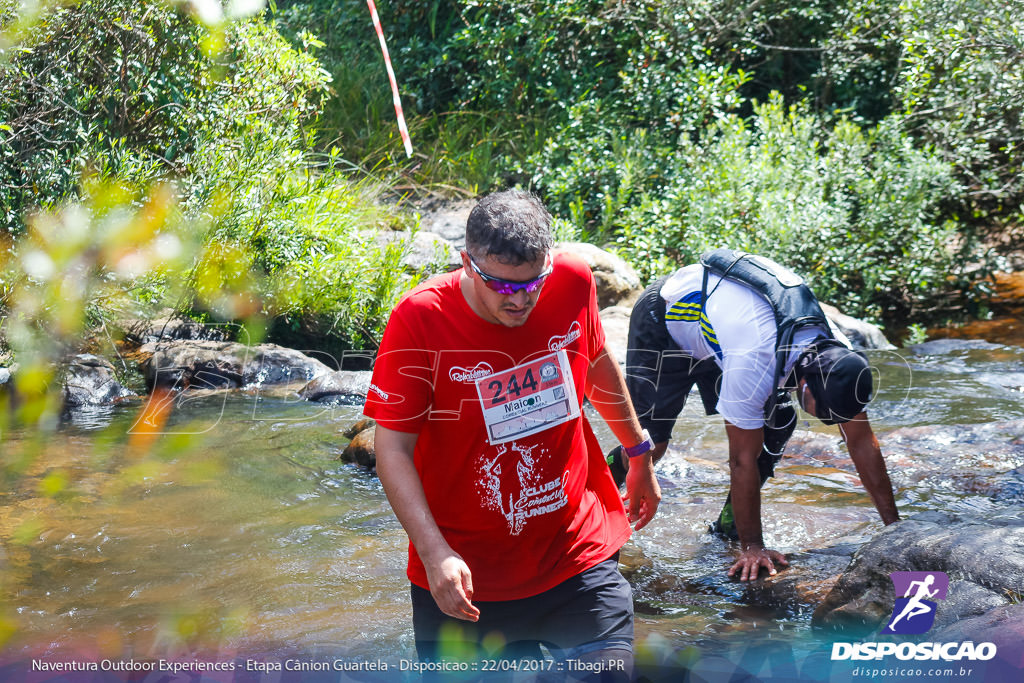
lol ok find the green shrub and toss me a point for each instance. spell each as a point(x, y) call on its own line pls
point(612, 150)
point(134, 95)
point(960, 86)
point(855, 211)
point(100, 80)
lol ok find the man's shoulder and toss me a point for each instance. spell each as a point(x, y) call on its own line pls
point(571, 266)
point(682, 282)
point(430, 295)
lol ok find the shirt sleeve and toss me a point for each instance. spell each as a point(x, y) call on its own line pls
point(401, 389)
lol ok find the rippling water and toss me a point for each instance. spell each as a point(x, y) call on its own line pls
point(242, 534)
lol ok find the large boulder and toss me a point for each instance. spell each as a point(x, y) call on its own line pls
point(168, 327)
point(615, 321)
point(90, 381)
point(617, 282)
point(186, 364)
point(447, 218)
point(862, 334)
point(1002, 625)
point(983, 555)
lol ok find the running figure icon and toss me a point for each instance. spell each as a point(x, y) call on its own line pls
point(915, 604)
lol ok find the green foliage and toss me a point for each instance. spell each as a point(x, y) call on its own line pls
point(951, 69)
point(75, 264)
point(961, 86)
point(98, 79)
point(636, 121)
point(855, 211)
point(612, 150)
point(916, 334)
point(136, 93)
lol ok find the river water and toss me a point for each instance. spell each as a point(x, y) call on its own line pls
point(240, 534)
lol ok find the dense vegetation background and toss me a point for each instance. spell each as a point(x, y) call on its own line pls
point(239, 167)
point(239, 163)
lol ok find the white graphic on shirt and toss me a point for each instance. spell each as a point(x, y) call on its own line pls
point(511, 485)
point(460, 374)
point(561, 341)
point(380, 392)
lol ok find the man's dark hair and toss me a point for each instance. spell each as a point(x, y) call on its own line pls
point(512, 226)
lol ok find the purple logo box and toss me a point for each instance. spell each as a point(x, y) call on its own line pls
point(938, 585)
point(915, 606)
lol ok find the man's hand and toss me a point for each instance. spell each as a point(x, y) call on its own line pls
point(642, 491)
point(451, 584)
point(752, 559)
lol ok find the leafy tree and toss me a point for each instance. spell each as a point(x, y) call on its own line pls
point(137, 94)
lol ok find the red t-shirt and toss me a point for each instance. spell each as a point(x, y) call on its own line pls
point(525, 513)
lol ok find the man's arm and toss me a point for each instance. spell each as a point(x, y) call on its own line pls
point(867, 457)
point(450, 581)
point(744, 447)
point(606, 389)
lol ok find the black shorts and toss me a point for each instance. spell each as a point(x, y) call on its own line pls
point(660, 375)
point(589, 612)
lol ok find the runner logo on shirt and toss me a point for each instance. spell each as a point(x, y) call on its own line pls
point(459, 374)
point(512, 485)
point(561, 341)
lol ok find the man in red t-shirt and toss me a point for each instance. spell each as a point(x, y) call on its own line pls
point(482, 447)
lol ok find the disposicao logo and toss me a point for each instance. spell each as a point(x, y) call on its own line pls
point(914, 612)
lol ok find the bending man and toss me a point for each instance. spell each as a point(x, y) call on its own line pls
point(746, 332)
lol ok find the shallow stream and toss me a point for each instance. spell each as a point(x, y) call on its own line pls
point(239, 532)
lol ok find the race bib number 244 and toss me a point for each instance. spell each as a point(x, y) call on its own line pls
point(528, 398)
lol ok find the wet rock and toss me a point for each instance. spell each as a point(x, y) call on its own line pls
point(360, 425)
point(966, 599)
point(1003, 625)
point(360, 450)
point(617, 282)
point(1008, 486)
point(90, 381)
point(139, 332)
point(816, 448)
point(803, 584)
point(273, 364)
point(339, 387)
point(447, 218)
point(186, 364)
point(632, 559)
point(796, 589)
point(967, 459)
point(982, 554)
point(862, 334)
